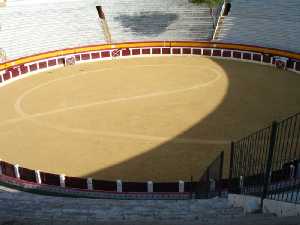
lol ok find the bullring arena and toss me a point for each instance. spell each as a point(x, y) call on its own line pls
point(139, 119)
point(149, 112)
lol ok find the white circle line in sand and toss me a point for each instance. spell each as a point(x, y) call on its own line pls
point(20, 111)
point(32, 117)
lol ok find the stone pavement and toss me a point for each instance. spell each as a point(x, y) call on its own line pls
point(20, 208)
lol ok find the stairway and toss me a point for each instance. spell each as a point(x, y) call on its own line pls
point(18, 208)
point(268, 23)
point(35, 26)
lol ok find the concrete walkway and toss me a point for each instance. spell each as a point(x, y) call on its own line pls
point(19, 208)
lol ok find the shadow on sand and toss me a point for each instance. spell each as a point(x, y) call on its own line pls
point(256, 96)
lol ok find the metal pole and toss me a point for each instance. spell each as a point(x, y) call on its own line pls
point(208, 182)
point(269, 161)
point(231, 166)
point(192, 186)
point(231, 160)
point(221, 172)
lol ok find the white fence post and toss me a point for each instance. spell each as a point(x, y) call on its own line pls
point(150, 186)
point(90, 183)
point(62, 180)
point(241, 182)
point(212, 185)
point(1, 168)
point(181, 186)
point(1, 75)
point(17, 173)
point(38, 177)
point(119, 186)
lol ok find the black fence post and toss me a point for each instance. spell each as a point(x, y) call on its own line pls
point(269, 161)
point(191, 187)
point(231, 165)
point(221, 172)
point(208, 182)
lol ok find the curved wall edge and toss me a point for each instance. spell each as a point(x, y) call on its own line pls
point(22, 67)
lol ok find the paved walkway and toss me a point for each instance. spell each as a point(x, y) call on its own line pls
point(19, 208)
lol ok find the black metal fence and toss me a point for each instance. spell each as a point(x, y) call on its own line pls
point(267, 162)
point(211, 182)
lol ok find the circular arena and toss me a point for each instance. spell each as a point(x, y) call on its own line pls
point(139, 119)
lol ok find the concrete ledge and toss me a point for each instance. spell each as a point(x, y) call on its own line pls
point(250, 204)
point(42, 189)
point(281, 208)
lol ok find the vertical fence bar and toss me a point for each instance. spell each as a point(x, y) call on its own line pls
point(294, 123)
point(294, 156)
point(297, 139)
point(269, 161)
point(287, 148)
point(283, 128)
point(265, 157)
point(231, 161)
point(231, 166)
point(208, 182)
point(221, 172)
point(192, 187)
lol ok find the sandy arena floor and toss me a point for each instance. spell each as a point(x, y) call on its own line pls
point(139, 119)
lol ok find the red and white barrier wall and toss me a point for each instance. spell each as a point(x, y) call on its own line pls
point(55, 184)
point(19, 68)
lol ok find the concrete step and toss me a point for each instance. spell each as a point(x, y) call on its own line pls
point(20, 208)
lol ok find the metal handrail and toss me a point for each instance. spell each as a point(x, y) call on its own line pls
point(217, 26)
point(2, 55)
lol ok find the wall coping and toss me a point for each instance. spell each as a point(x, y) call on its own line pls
point(202, 44)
